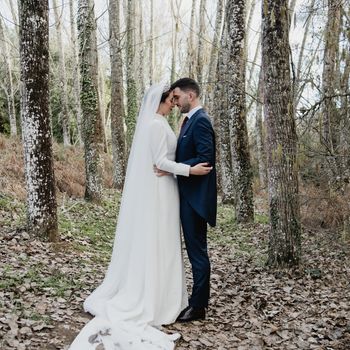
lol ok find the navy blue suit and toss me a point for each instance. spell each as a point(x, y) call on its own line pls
point(198, 200)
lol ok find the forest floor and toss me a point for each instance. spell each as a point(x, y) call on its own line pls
point(43, 285)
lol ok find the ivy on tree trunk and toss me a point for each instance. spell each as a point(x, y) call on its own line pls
point(91, 123)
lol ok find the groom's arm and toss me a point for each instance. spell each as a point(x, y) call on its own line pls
point(203, 137)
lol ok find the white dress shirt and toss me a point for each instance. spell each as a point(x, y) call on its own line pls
point(193, 111)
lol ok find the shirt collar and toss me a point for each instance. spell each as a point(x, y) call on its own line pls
point(193, 111)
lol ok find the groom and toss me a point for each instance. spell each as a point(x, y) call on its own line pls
point(196, 144)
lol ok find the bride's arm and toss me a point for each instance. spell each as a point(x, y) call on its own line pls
point(159, 151)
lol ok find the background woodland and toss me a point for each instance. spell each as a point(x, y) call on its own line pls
point(274, 76)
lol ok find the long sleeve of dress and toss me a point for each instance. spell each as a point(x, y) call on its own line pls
point(159, 149)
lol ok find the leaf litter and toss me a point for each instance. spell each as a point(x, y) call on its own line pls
point(43, 285)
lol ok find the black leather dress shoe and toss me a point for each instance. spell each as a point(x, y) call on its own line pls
point(183, 312)
point(191, 314)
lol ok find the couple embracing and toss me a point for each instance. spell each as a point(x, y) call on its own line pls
point(170, 182)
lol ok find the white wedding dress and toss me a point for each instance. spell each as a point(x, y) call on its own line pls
point(144, 286)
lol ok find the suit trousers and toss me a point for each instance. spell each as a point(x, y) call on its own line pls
point(195, 234)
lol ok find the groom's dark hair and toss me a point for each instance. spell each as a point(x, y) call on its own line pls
point(187, 84)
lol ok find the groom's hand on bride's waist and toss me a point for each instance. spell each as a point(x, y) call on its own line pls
point(159, 172)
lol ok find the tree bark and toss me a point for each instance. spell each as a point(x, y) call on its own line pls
point(37, 140)
point(330, 77)
point(260, 134)
point(63, 77)
point(103, 105)
point(191, 49)
point(175, 18)
point(214, 57)
point(242, 172)
point(285, 229)
point(9, 86)
point(141, 55)
point(131, 90)
point(250, 16)
point(344, 138)
point(117, 104)
point(76, 75)
point(91, 123)
point(200, 49)
point(301, 54)
point(221, 123)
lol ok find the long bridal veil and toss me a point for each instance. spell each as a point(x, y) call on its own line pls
point(126, 304)
point(133, 214)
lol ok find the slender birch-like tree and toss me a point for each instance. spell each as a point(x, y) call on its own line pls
point(131, 89)
point(260, 134)
point(62, 74)
point(141, 51)
point(200, 49)
point(76, 73)
point(191, 47)
point(117, 105)
point(8, 85)
point(214, 56)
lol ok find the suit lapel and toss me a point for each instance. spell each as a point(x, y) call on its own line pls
point(187, 125)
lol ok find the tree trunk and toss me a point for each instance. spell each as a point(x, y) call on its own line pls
point(174, 44)
point(252, 73)
point(291, 8)
point(214, 57)
point(63, 77)
point(103, 106)
point(259, 132)
point(200, 52)
point(301, 54)
point(9, 84)
point(191, 49)
point(14, 11)
point(309, 68)
point(221, 124)
point(250, 16)
point(242, 172)
point(344, 139)
point(330, 77)
point(37, 141)
point(285, 230)
point(131, 90)
point(344, 148)
point(91, 123)
point(117, 104)
point(76, 75)
point(141, 55)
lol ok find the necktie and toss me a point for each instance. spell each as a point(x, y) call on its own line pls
point(184, 122)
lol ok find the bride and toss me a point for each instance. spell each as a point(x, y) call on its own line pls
point(144, 286)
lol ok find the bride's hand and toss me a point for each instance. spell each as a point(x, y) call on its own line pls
point(159, 172)
point(201, 169)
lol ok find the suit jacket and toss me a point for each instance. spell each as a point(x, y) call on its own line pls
point(196, 144)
